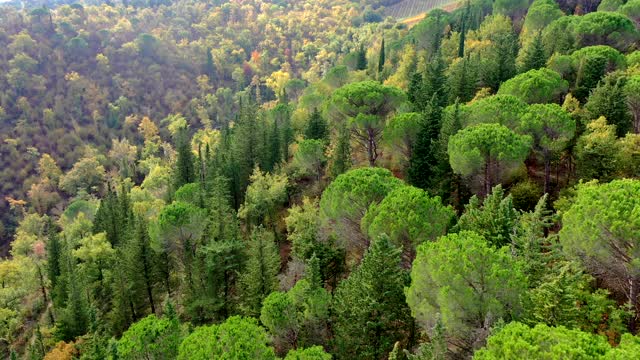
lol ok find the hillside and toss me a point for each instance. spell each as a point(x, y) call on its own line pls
point(313, 180)
point(412, 8)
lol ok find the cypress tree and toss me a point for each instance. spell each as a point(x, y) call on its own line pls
point(361, 60)
point(463, 28)
point(381, 59)
point(435, 81)
point(274, 147)
point(341, 158)
point(185, 171)
point(535, 57)
point(75, 316)
point(107, 216)
point(287, 131)
point(210, 67)
point(53, 255)
point(422, 165)
point(316, 127)
point(141, 265)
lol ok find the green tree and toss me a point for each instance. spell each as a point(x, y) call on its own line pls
point(601, 229)
point(311, 353)
point(501, 109)
point(409, 217)
point(402, 132)
point(423, 162)
point(365, 106)
point(346, 200)
point(551, 128)
point(151, 338)
point(596, 151)
point(369, 306)
point(494, 218)
point(361, 58)
point(341, 158)
point(264, 196)
point(488, 148)
point(381, 58)
point(632, 93)
point(236, 338)
point(518, 341)
point(609, 100)
point(466, 281)
point(535, 86)
point(141, 264)
point(316, 127)
point(259, 278)
point(535, 56)
point(309, 158)
point(185, 171)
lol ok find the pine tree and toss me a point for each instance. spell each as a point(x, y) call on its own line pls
point(610, 100)
point(259, 277)
point(381, 59)
point(107, 217)
point(316, 127)
point(535, 57)
point(435, 81)
point(185, 171)
point(590, 71)
point(361, 59)
point(371, 312)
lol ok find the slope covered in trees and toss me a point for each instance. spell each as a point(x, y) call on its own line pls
point(307, 180)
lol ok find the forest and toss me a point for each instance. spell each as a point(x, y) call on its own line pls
point(316, 180)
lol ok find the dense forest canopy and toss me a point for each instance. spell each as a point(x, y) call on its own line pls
point(302, 179)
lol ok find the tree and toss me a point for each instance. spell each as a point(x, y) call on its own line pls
point(409, 217)
point(365, 106)
point(632, 92)
point(605, 28)
point(486, 147)
point(467, 282)
point(601, 229)
point(423, 162)
point(551, 128)
point(236, 338)
point(609, 100)
point(501, 109)
point(596, 151)
point(381, 59)
point(264, 196)
point(402, 132)
point(341, 157)
point(87, 174)
point(141, 264)
point(535, 86)
point(316, 127)
point(259, 278)
point(309, 158)
point(535, 56)
point(361, 58)
point(518, 341)
point(151, 338)
point(54, 252)
point(493, 218)
point(311, 353)
point(185, 171)
point(346, 200)
point(73, 319)
point(369, 306)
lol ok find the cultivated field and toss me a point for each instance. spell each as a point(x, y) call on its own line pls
point(414, 8)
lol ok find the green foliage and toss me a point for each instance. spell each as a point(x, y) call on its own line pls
point(601, 227)
point(402, 132)
point(596, 151)
point(468, 282)
point(236, 338)
point(409, 217)
point(518, 341)
point(316, 127)
point(266, 193)
point(259, 277)
point(312, 353)
point(494, 218)
point(309, 158)
point(347, 198)
point(365, 107)
point(370, 307)
point(487, 148)
point(609, 100)
point(535, 86)
point(501, 109)
point(151, 338)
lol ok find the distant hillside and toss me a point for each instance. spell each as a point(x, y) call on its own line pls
point(411, 8)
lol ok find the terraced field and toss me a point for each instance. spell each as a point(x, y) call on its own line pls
point(413, 8)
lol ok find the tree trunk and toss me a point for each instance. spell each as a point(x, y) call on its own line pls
point(547, 171)
point(634, 289)
point(487, 177)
